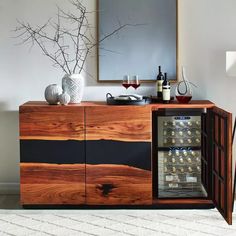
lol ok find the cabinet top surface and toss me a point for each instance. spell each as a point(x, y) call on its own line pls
point(173, 104)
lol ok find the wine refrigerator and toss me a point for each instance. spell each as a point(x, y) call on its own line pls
point(178, 154)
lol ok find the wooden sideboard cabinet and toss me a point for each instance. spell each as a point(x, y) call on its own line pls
point(92, 154)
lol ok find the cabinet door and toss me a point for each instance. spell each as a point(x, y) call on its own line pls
point(222, 162)
point(118, 155)
point(52, 155)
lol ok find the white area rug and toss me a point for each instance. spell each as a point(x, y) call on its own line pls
point(114, 223)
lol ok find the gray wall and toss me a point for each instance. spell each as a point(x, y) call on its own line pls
point(206, 30)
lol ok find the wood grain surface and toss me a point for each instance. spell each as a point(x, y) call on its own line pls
point(194, 104)
point(172, 104)
point(222, 162)
point(117, 185)
point(125, 123)
point(52, 183)
point(52, 122)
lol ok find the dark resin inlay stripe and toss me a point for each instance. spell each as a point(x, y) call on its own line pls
point(50, 151)
point(135, 154)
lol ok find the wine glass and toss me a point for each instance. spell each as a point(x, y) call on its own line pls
point(126, 82)
point(135, 82)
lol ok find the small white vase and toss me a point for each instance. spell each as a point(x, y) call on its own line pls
point(64, 98)
point(74, 86)
point(52, 93)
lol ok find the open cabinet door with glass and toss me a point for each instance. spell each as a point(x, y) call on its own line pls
point(192, 157)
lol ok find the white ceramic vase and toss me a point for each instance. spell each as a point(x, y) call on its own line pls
point(74, 86)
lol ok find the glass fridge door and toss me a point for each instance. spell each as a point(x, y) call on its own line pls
point(179, 157)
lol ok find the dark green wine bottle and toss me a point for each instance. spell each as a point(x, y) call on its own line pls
point(160, 79)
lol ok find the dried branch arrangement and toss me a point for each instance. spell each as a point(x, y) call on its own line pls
point(68, 40)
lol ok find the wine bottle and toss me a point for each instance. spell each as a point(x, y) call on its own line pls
point(190, 169)
point(166, 90)
point(198, 140)
point(160, 79)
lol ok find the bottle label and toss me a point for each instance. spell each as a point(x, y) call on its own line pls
point(159, 85)
point(166, 94)
point(191, 179)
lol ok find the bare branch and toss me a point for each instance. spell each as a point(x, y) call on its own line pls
point(71, 40)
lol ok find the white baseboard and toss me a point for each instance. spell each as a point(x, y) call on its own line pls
point(9, 188)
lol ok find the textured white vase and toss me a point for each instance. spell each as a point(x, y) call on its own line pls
point(52, 93)
point(74, 86)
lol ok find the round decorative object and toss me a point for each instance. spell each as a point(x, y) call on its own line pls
point(52, 93)
point(74, 86)
point(64, 98)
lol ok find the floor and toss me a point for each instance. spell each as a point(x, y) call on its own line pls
point(16, 222)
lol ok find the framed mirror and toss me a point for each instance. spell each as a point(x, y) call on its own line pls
point(144, 36)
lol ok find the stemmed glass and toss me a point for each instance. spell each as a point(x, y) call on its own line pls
point(135, 82)
point(126, 82)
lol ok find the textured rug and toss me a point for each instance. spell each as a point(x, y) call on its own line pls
point(114, 223)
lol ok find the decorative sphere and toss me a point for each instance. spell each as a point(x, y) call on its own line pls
point(64, 98)
point(52, 93)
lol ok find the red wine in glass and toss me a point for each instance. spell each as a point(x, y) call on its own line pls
point(135, 86)
point(183, 99)
point(126, 85)
point(126, 82)
point(135, 82)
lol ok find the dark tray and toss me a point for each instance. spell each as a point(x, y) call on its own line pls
point(112, 101)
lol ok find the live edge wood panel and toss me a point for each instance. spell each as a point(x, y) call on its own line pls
point(52, 166)
point(118, 155)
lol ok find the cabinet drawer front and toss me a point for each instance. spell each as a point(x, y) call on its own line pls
point(118, 123)
point(52, 155)
point(118, 155)
point(52, 184)
point(52, 122)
